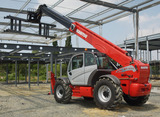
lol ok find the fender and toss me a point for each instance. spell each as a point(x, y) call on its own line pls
point(113, 78)
point(66, 80)
point(94, 76)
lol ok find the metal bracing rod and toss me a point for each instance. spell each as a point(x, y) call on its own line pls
point(149, 6)
point(108, 9)
point(78, 9)
point(107, 4)
point(57, 3)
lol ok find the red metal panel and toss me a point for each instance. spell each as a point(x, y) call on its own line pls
point(79, 91)
point(137, 89)
point(52, 81)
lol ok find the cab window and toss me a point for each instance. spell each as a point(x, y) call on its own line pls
point(77, 62)
point(89, 59)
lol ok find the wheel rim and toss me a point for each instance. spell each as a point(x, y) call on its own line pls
point(59, 91)
point(104, 93)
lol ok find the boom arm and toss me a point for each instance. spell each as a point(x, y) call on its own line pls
point(100, 43)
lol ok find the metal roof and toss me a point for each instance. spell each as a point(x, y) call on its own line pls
point(103, 12)
point(153, 40)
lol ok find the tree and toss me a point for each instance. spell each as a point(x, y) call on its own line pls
point(55, 44)
point(68, 41)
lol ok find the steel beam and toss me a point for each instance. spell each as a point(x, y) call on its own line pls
point(110, 5)
point(25, 12)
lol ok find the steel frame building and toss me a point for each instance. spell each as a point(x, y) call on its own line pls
point(110, 12)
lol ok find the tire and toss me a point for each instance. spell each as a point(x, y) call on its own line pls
point(135, 101)
point(62, 92)
point(88, 98)
point(107, 94)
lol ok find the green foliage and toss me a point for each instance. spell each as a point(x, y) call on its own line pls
point(34, 51)
point(68, 41)
point(55, 44)
point(33, 68)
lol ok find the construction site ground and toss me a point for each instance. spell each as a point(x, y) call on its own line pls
point(21, 102)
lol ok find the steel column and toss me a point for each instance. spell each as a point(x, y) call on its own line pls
point(29, 73)
point(46, 73)
point(7, 73)
point(150, 55)
point(51, 61)
point(140, 55)
point(26, 74)
point(147, 43)
point(136, 23)
point(38, 73)
point(157, 55)
point(61, 69)
point(18, 73)
point(15, 73)
point(100, 29)
point(125, 45)
point(55, 68)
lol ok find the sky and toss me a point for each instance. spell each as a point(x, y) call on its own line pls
point(116, 31)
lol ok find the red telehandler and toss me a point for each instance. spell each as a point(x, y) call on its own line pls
point(94, 75)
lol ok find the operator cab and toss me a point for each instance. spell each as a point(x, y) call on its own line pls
point(83, 64)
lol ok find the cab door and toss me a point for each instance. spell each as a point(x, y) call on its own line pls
point(90, 66)
point(76, 70)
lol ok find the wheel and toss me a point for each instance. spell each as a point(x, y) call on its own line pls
point(88, 98)
point(136, 101)
point(107, 94)
point(62, 92)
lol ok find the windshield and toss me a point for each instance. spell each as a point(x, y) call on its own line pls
point(105, 62)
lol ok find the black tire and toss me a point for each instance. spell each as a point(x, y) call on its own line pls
point(62, 92)
point(136, 101)
point(88, 98)
point(107, 94)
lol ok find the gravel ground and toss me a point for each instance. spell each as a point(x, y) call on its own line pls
point(21, 102)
